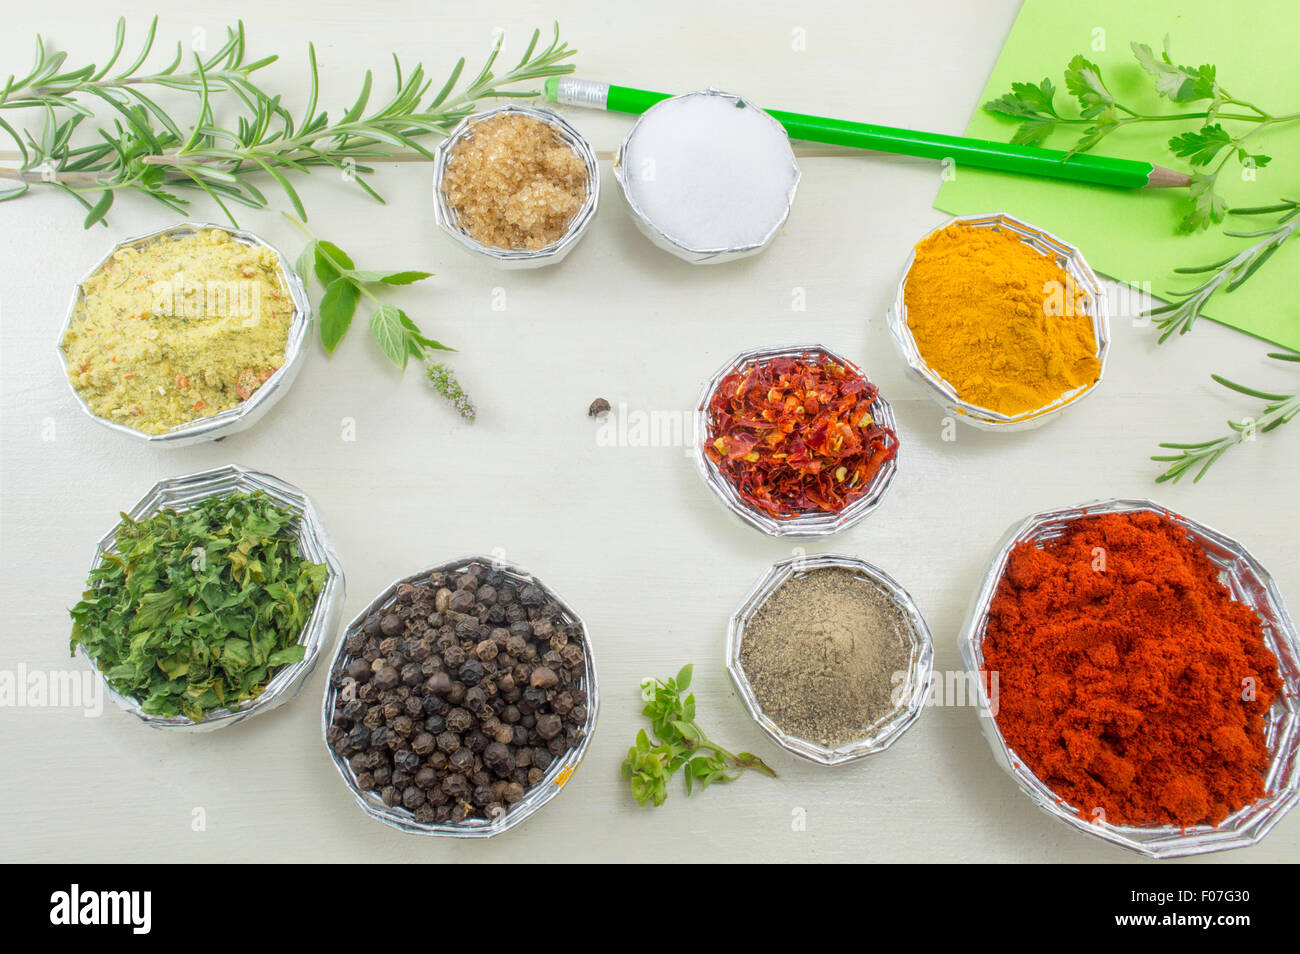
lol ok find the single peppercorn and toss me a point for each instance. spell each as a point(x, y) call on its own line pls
point(471, 673)
point(549, 726)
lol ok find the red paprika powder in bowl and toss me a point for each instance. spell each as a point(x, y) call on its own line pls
point(1139, 677)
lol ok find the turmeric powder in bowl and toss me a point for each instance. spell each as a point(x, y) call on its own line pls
point(997, 319)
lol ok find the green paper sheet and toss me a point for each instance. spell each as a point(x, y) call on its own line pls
point(1132, 236)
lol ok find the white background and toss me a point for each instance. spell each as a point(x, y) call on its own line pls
point(629, 535)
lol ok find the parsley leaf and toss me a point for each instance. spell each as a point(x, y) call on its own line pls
point(1182, 84)
point(1207, 205)
point(1201, 145)
point(1083, 81)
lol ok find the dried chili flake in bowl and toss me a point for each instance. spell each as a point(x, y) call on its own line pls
point(796, 441)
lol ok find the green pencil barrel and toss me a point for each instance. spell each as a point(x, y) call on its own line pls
point(980, 153)
point(623, 99)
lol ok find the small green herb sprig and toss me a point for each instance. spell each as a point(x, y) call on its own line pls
point(398, 337)
point(1200, 457)
point(1207, 148)
point(197, 610)
point(679, 744)
point(239, 131)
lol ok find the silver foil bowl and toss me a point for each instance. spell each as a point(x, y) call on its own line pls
point(446, 217)
point(557, 776)
point(1094, 303)
point(246, 413)
point(1249, 583)
point(812, 524)
point(913, 692)
point(183, 493)
point(678, 245)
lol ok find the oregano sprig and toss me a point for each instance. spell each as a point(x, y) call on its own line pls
point(679, 744)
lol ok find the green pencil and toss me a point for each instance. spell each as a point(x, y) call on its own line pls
point(981, 153)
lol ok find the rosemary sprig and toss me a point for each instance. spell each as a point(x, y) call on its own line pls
point(148, 151)
point(1201, 456)
point(49, 85)
point(1229, 273)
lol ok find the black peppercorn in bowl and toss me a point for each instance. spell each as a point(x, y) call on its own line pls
point(461, 700)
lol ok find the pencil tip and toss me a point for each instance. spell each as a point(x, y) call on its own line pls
point(1162, 178)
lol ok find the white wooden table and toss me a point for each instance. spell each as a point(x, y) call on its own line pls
point(628, 534)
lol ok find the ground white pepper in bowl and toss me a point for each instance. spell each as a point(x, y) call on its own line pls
point(831, 657)
point(513, 182)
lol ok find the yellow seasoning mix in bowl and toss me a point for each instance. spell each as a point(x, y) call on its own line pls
point(178, 328)
point(1007, 317)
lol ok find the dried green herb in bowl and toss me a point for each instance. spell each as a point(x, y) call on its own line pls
point(196, 610)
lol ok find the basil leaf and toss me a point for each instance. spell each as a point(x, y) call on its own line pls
point(329, 260)
point(337, 307)
point(290, 654)
point(305, 264)
point(418, 339)
point(386, 326)
point(391, 278)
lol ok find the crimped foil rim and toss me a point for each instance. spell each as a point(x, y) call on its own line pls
point(242, 415)
point(804, 525)
point(557, 775)
point(920, 664)
point(941, 391)
point(519, 258)
point(1247, 825)
point(181, 493)
point(662, 239)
